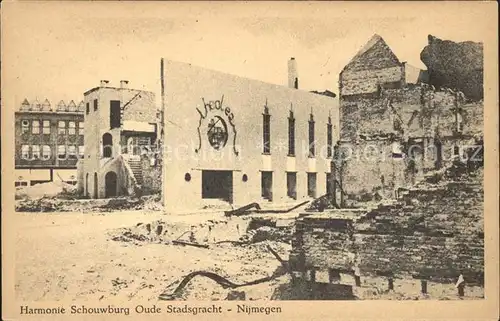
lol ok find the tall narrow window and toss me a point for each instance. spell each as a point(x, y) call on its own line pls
point(460, 123)
point(87, 108)
point(329, 137)
point(25, 152)
point(291, 134)
point(311, 185)
point(25, 126)
point(35, 152)
point(81, 151)
point(35, 127)
point(312, 148)
point(46, 152)
point(291, 185)
point(61, 127)
point(80, 128)
point(46, 126)
point(267, 130)
point(115, 114)
point(95, 104)
point(72, 151)
point(267, 185)
point(61, 152)
point(72, 128)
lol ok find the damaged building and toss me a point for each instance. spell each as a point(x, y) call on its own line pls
point(121, 152)
point(407, 202)
point(394, 126)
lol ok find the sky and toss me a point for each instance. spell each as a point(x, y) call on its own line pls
point(59, 50)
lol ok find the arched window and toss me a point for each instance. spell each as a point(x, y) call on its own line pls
point(107, 145)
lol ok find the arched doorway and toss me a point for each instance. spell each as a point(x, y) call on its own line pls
point(95, 186)
point(87, 194)
point(107, 145)
point(111, 185)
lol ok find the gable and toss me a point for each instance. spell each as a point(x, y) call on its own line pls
point(376, 54)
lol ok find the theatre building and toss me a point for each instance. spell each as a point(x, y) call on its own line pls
point(232, 140)
point(49, 142)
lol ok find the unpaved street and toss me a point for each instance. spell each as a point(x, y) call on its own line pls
point(73, 256)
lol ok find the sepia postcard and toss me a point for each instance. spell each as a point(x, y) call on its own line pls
point(254, 160)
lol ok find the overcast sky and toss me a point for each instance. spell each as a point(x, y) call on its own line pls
point(58, 51)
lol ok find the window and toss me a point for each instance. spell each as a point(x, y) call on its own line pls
point(87, 108)
point(81, 151)
point(46, 152)
point(311, 137)
point(267, 131)
point(291, 185)
point(291, 135)
point(115, 114)
point(267, 185)
point(329, 137)
point(61, 152)
point(95, 104)
point(72, 128)
point(35, 152)
point(25, 126)
point(35, 127)
point(61, 127)
point(46, 126)
point(311, 185)
point(21, 184)
point(25, 152)
point(72, 151)
point(80, 128)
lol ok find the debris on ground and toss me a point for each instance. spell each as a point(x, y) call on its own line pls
point(58, 189)
point(64, 203)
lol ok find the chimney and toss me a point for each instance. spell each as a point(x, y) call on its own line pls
point(293, 78)
point(104, 83)
point(123, 84)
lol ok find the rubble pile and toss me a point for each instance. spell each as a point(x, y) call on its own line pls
point(57, 189)
point(154, 232)
point(260, 230)
point(64, 202)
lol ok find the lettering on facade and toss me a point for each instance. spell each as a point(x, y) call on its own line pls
point(217, 124)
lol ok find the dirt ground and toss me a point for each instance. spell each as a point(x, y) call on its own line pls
point(129, 255)
point(74, 256)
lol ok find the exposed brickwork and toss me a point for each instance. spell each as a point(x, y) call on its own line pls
point(434, 231)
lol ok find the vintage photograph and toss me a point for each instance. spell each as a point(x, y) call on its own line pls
point(251, 157)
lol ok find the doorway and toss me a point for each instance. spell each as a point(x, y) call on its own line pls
point(217, 185)
point(311, 185)
point(110, 182)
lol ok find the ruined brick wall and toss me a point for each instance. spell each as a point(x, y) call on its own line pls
point(416, 116)
point(436, 232)
point(151, 174)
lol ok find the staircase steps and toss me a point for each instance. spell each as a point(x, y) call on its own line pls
point(136, 167)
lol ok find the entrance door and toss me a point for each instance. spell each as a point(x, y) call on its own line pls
point(95, 185)
point(217, 185)
point(111, 185)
